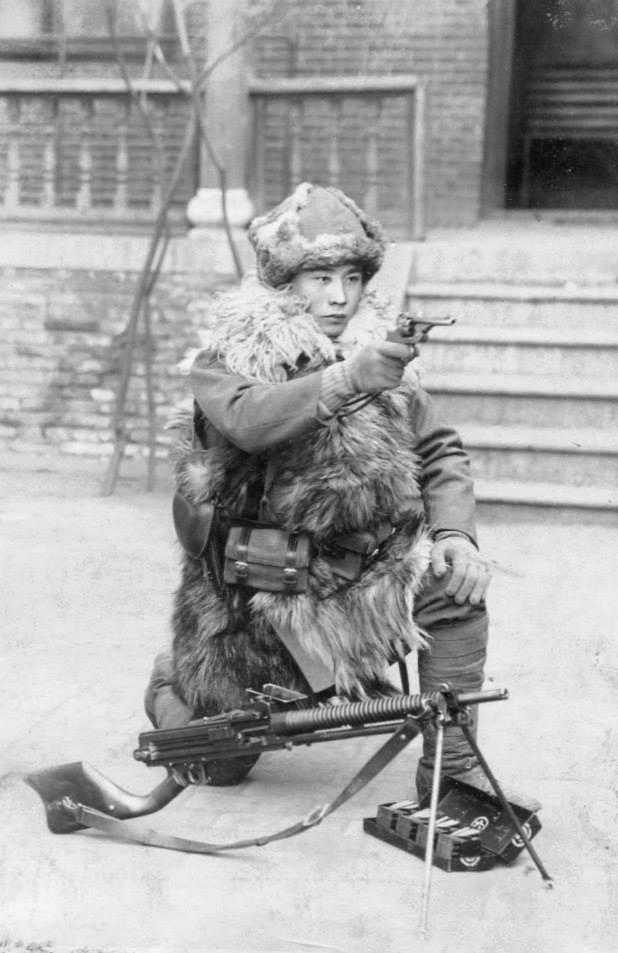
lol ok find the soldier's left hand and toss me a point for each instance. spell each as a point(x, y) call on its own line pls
point(470, 573)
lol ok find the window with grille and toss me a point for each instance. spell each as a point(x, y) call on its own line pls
point(74, 144)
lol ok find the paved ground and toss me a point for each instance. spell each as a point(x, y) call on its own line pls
point(87, 586)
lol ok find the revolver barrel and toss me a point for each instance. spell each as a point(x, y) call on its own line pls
point(411, 329)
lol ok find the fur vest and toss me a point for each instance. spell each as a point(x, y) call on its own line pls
point(351, 473)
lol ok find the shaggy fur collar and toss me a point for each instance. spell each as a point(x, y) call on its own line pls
point(260, 332)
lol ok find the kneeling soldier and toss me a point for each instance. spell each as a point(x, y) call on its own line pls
point(343, 535)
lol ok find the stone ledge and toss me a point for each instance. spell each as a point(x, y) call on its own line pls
point(534, 493)
point(566, 292)
point(521, 385)
point(46, 249)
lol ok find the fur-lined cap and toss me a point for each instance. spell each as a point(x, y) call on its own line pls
point(315, 227)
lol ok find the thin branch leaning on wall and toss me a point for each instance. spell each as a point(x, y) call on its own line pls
point(194, 89)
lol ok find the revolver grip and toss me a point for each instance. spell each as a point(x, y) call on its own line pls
point(396, 337)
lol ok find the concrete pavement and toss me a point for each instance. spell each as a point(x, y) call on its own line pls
point(87, 594)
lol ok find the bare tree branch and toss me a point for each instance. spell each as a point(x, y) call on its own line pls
point(160, 237)
point(160, 227)
point(161, 59)
point(110, 13)
point(244, 38)
point(150, 397)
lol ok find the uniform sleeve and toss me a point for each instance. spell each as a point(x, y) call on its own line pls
point(256, 416)
point(447, 487)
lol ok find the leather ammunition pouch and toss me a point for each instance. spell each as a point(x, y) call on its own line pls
point(193, 523)
point(267, 558)
point(263, 556)
point(349, 555)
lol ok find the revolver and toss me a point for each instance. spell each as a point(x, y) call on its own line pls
point(412, 330)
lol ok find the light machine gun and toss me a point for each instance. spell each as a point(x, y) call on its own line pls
point(267, 723)
point(264, 727)
point(77, 796)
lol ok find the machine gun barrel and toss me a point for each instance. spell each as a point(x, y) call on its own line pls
point(370, 712)
point(258, 729)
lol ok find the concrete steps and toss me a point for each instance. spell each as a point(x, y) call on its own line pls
point(503, 305)
point(520, 250)
point(521, 351)
point(529, 376)
point(543, 454)
point(556, 502)
point(525, 399)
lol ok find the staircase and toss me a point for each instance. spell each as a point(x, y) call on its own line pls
point(529, 374)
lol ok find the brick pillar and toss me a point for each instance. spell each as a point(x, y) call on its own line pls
point(227, 112)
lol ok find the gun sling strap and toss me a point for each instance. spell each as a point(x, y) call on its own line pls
point(90, 817)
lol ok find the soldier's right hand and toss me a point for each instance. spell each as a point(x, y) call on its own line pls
point(378, 366)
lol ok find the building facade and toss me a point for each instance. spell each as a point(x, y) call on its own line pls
point(433, 114)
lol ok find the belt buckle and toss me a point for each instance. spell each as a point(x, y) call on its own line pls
point(241, 569)
point(290, 576)
point(371, 557)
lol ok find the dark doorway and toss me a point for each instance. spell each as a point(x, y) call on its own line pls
point(563, 135)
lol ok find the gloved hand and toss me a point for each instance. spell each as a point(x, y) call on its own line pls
point(378, 366)
point(470, 573)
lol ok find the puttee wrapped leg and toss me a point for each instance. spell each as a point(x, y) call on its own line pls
point(456, 654)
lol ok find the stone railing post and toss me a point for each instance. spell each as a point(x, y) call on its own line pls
point(227, 116)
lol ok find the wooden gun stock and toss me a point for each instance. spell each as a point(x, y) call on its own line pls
point(80, 783)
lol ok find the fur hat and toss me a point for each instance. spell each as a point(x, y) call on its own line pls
point(314, 227)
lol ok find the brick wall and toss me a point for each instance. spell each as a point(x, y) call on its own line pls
point(61, 347)
point(444, 42)
point(64, 299)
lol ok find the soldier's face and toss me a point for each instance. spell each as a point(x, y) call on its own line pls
point(333, 295)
